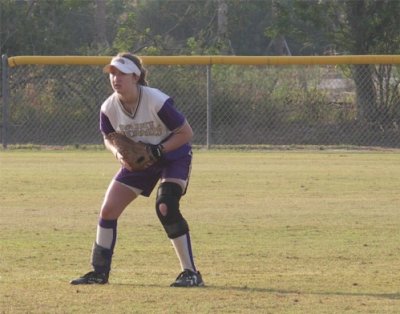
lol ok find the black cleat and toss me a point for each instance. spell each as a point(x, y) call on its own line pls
point(188, 278)
point(91, 278)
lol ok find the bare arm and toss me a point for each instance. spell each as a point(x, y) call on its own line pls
point(181, 136)
point(109, 146)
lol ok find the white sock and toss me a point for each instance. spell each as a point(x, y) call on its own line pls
point(104, 237)
point(183, 250)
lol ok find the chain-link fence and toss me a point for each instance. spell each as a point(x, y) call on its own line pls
point(226, 104)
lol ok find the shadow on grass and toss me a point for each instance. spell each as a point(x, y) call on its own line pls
point(391, 296)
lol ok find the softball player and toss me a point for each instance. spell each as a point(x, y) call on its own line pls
point(148, 115)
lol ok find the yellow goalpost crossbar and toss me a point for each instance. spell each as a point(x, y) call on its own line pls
point(210, 60)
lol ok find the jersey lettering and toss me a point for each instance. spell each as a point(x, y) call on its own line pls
point(141, 129)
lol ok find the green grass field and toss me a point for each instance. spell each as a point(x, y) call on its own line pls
point(272, 231)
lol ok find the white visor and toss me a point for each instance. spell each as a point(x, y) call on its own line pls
point(124, 65)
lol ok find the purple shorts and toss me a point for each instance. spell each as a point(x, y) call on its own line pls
point(147, 179)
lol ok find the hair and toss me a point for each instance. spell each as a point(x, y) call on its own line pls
point(135, 59)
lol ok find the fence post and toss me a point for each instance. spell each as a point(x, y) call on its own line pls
point(209, 101)
point(4, 88)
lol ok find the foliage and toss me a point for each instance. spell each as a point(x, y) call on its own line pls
point(52, 100)
point(352, 27)
point(45, 27)
point(170, 27)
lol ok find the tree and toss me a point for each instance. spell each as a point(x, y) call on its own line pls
point(165, 27)
point(371, 27)
point(45, 27)
point(59, 27)
point(359, 27)
point(100, 22)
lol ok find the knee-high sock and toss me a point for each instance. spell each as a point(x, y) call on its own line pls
point(106, 233)
point(104, 246)
point(183, 249)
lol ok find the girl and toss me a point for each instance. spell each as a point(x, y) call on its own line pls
point(148, 115)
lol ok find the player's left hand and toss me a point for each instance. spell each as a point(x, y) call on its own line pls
point(156, 151)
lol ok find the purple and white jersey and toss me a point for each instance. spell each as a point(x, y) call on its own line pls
point(153, 121)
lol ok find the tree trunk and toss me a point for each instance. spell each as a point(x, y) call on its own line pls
point(222, 31)
point(100, 23)
point(366, 93)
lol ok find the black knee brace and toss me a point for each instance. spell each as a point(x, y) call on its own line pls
point(175, 225)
